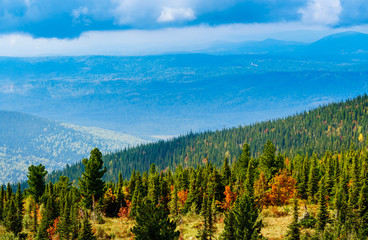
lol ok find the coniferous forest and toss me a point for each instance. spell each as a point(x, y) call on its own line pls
point(302, 177)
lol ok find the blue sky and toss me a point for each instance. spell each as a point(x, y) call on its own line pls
point(132, 27)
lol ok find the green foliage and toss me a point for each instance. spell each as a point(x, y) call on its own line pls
point(294, 231)
point(154, 223)
point(322, 215)
point(91, 183)
point(36, 181)
point(86, 231)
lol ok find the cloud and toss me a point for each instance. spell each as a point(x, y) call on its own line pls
point(70, 18)
point(176, 14)
point(321, 11)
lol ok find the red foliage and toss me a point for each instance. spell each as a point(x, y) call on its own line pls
point(53, 229)
point(125, 211)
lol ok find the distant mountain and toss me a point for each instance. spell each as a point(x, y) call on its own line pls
point(27, 139)
point(345, 43)
point(341, 43)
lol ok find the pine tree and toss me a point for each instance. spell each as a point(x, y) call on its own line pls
point(11, 221)
point(20, 208)
point(36, 181)
point(226, 172)
point(86, 231)
point(363, 204)
point(2, 200)
point(313, 179)
point(229, 227)
point(322, 215)
point(208, 229)
point(268, 162)
point(64, 226)
point(91, 184)
point(247, 223)
point(242, 163)
point(154, 223)
point(294, 231)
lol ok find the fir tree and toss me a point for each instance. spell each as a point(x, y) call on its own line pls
point(246, 216)
point(86, 231)
point(226, 172)
point(11, 220)
point(229, 227)
point(313, 179)
point(208, 229)
point(268, 161)
point(242, 163)
point(91, 183)
point(2, 200)
point(154, 223)
point(294, 231)
point(20, 208)
point(36, 181)
point(322, 215)
point(363, 204)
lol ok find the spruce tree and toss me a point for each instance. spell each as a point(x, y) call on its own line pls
point(154, 223)
point(268, 161)
point(229, 227)
point(363, 205)
point(294, 231)
point(86, 231)
point(20, 208)
point(208, 229)
point(241, 164)
point(11, 220)
point(226, 172)
point(64, 226)
point(313, 179)
point(91, 184)
point(322, 215)
point(36, 181)
point(2, 201)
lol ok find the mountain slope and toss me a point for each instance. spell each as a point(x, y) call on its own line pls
point(27, 139)
point(332, 127)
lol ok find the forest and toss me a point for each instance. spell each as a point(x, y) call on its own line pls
point(302, 177)
point(331, 127)
point(328, 196)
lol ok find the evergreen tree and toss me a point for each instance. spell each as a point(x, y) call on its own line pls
point(242, 163)
point(91, 184)
point(294, 231)
point(2, 201)
point(64, 227)
point(20, 208)
point(249, 182)
point(11, 221)
point(86, 231)
point(246, 216)
point(229, 227)
point(226, 173)
point(153, 223)
point(322, 215)
point(36, 181)
point(268, 162)
point(313, 179)
point(363, 204)
point(174, 207)
point(208, 229)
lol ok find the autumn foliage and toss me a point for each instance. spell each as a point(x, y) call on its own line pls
point(52, 230)
point(282, 188)
point(230, 198)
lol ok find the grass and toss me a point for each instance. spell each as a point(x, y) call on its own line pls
point(275, 225)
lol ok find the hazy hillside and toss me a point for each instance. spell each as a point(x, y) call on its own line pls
point(172, 94)
point(332, 127)
point(26, 140)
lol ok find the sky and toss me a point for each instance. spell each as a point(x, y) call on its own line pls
point(139, 27)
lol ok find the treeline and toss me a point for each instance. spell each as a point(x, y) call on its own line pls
point(237, 193)
point(332, 127)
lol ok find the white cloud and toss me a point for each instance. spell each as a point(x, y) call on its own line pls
point(159, 41)
point(321, 11)
point(176, 14)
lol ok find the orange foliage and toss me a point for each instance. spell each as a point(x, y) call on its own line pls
point(230, 198)
point(282, 188)
point(260, 189)
point(124, 212)
point(53, 229)
point(183, 195)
